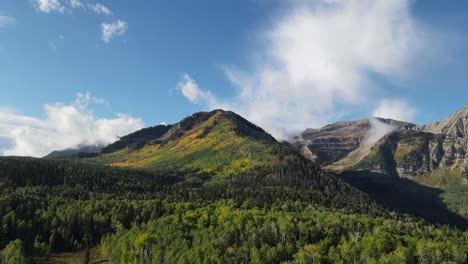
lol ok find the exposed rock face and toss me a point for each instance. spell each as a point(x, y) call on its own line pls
point(403, 154)
point(334, 142)
point(453, 145)
point(404, 150)
point(439, 148)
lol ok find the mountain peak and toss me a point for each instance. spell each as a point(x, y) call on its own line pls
point(455, 125)
point(428, 150)
point(239, 124)
point(217, 141)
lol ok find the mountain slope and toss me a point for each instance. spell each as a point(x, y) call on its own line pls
point(137, 139)
point(80, 150)
point(420, 170)
point(281, 208)
point(137, 217)
point(438, 150)
point(334, 142)
point(452, 147)
point(217, 141)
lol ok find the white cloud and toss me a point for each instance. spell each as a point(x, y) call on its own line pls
point(100, 9)
point(83, 100)
point(314, 62)
point(377, 131)
point(6, 21)
point(398, 109)
point(110, 30)
point(190, 90)
point(48, 6)
point(64, 126)
point(75, 3)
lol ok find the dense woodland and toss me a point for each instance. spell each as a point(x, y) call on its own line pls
point(294, 213)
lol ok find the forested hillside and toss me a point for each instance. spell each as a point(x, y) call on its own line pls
point(215, 188)
point(293, 213)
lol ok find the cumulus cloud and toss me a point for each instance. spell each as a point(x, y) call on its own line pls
point(48, 6)
point(317, 60)
point(100, 9)
point(110, 30)
point(6, 21)
point(398, 109)
point(64, 126)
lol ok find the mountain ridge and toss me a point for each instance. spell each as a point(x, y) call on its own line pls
point(335, 141)
point(407, 151)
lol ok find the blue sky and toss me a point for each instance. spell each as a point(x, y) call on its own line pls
point(286, 65)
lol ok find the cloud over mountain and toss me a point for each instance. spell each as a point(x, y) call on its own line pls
point(318, 59)
point(64, 126)
point(398, 109)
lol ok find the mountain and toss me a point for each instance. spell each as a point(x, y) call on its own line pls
point(131, 141)
point(217, 141)
point(437, 150)
point(417, 169)
point(137, 139)
point(392, 149)
point(80, 150)
point(334, 142)
point(212, 188)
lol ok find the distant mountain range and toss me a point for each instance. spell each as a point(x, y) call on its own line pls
point(221, 141)
point(219, 146)
point(420, 170)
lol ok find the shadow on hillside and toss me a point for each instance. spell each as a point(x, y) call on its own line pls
point(405, 196)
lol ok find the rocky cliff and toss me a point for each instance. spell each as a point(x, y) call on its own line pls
point(334, 142)
point(392, 149)
point(436, 153)
point(450, 151)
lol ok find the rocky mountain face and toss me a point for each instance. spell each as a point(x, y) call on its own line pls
point(437, 150)
point(400, 154)
point(334, 142)
point(451, 150)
